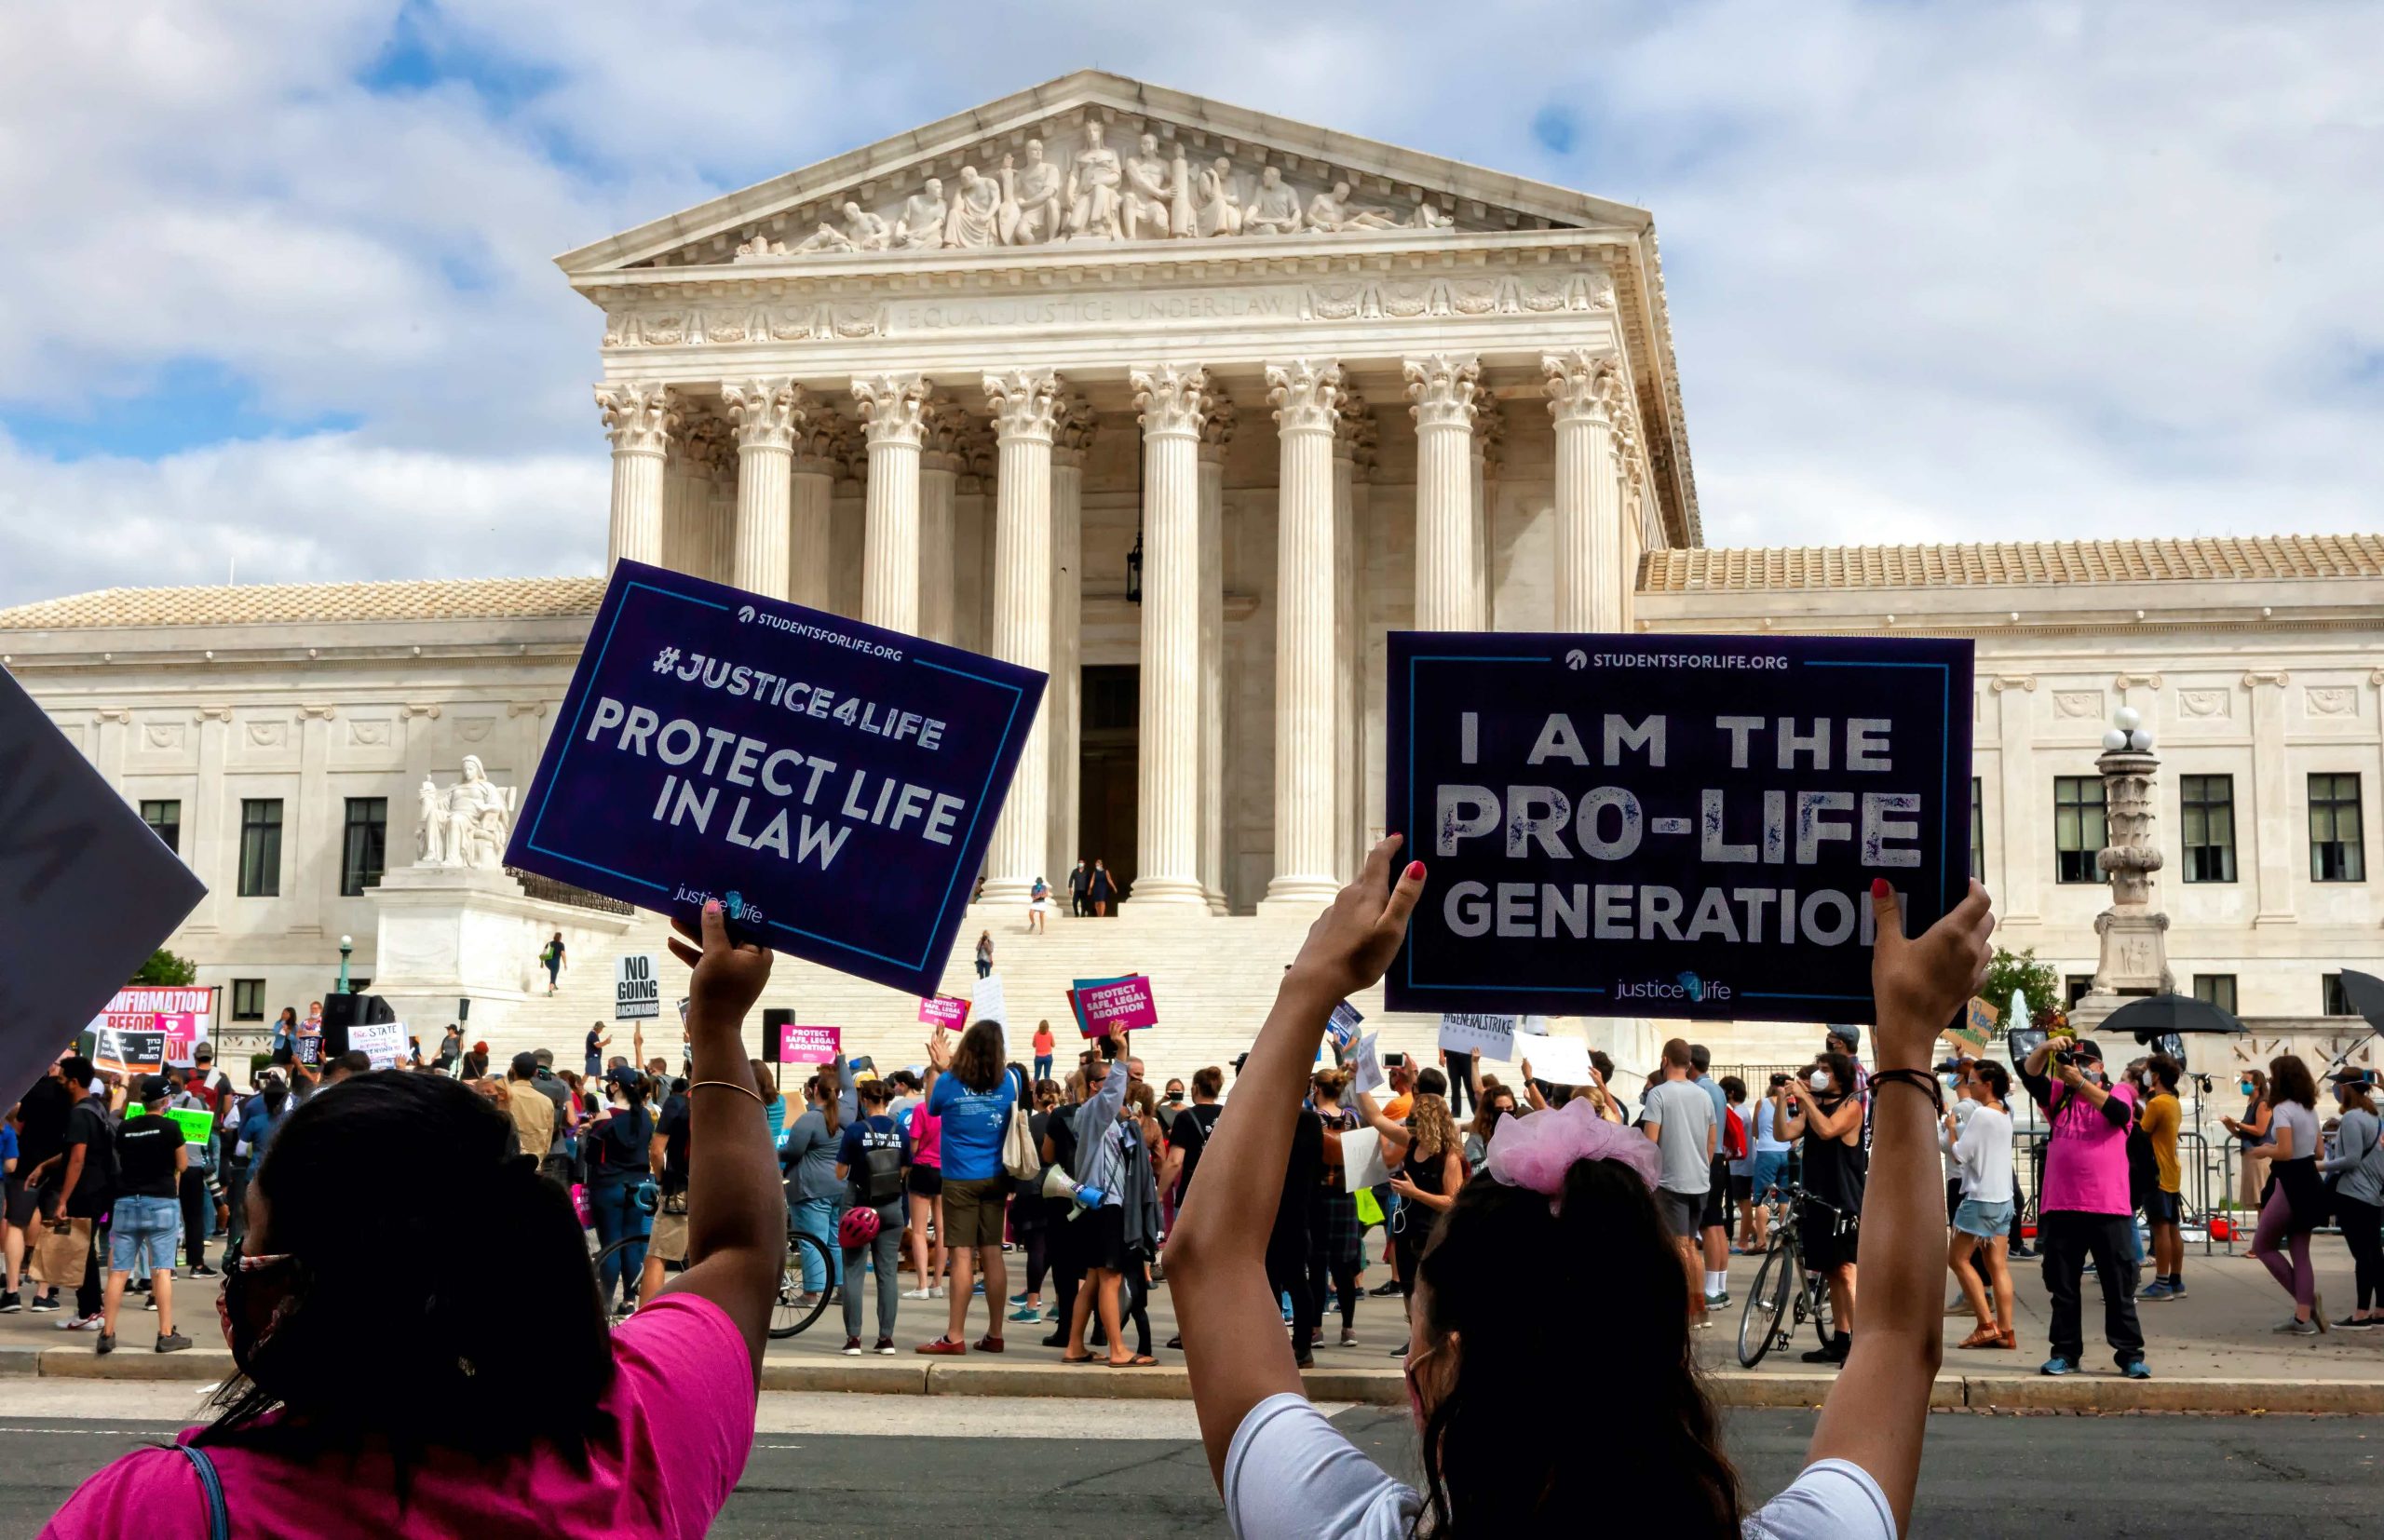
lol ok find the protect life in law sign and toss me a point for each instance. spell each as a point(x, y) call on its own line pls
point(1671, 826)
point(832, 784)
point(637, 987)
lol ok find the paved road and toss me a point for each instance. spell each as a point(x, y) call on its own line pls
point(2169, 1476)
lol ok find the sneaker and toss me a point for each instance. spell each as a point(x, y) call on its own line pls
point(852, 1348)
point(1382, 1291)
point(2296, 1328)
point(918, 1295)
point(2021, 1254)
point(149, 1305)
point(2318, 1311)
point(106, 1344)
point(942, 1348)
point(83, 1323)
point(2137, 1368)
point(43, 1303)
point(203, 1271)
point(1052, 1315)
point(1017, 1299)
point(937, 1292)
point(2355, 1323)
point(1057, 1339)
point(172, 1342)
point(1716, 1301)
point(2176, 1290)
point(1175, 1343)
point(10, 1304)
point(2057, 1366)
point(624, 1310)
point(1348, 1338)
point(1026, 1313)
point(885, 1349)
point(1400, 1352)
point(2154, 1293)
point(1830, 1355)
point(1304, 1360)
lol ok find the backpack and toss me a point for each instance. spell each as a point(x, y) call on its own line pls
point(877, 1180)
point(1734, 1135)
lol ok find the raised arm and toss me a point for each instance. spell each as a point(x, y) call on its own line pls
point(1216, 1255)
point(1877, 1413)
point(736, 1209)
point(1100, 1109)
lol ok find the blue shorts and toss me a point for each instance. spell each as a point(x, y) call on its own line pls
point(143, 1226)
point(1764, 1175)
point(1984, 1220)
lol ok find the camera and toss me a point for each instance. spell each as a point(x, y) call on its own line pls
point(1777, 1081)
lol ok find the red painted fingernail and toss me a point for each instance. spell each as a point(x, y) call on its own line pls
point(1879, 888)
point(711, 906)
point(1415, 870)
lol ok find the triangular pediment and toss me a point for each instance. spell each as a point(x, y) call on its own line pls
point(1096, 158)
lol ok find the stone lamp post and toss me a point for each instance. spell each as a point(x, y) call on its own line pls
point(2135, 958)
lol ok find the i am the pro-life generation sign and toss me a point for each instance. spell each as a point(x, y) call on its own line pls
point(1671, 826)
point(832, 784)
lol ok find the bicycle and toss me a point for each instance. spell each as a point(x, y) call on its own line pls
point(790, 1313)
point(1786, 1293)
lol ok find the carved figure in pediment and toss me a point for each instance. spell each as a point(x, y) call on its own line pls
point(1331, 213)
point(1095, 202)
point(1030, 207)
point(976, 212)
point(1181, 222)
point(760, 246)
point(1274, 209)
point(1428, 217)
point(921, 226)
point(1219, 213)
point(869, 232)
point(1151, 191)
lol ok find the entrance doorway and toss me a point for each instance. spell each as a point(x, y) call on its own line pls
point(1109, 770)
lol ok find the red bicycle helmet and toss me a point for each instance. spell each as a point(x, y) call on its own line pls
point(857, 1228)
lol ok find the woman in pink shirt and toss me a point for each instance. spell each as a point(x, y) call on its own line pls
point(925, 1185)
point(485, 1395)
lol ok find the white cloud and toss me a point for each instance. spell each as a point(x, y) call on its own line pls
point(1998, 271)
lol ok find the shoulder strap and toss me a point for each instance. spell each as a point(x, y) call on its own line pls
point(219, 1513)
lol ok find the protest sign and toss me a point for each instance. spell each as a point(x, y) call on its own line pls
point(808, 1045)
point(308, 1049)
point(383, 1042)
point(948, 1011)
point(1976, 1029)
point(1342, 1025)
point(185, 1013)
point(1489, 1036)
point(985, 1002)
point(1365, 1066)
point(1361, 1162)
point(196, 1123)
point(833, 785)
point(1672, 825)
point(1103, 1006)
point(637, 987)
point(129, 1051)
point(86, 890)
point(1558, 1061)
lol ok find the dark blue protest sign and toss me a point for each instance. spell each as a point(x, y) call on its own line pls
point(834, 785)
point(1671, 826)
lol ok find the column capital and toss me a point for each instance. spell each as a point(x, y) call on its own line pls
point(768, 412)
point(1072, 434)
point(639, 417)
point(893, 407)
point(1354, 437)
point(1028, 405)
point(1217, 424)
point(1443, 386)
point(1583, 385)
point(706, 447)
point(943, 434)
point(1170, 398)
point(1305, 394)
point(823, 439)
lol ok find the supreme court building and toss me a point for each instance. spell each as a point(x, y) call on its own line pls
point(1188, 405)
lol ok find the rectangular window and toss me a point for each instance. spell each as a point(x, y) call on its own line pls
point(367, 838)
point(2216, 988)
point(165, 820)
point(248, 999)
point(1978, 833)
point(2337, 1000)
point(2079, 834)
point(2074, 986)
point(2207, 808)
point(2336, 852)
point(260, 848)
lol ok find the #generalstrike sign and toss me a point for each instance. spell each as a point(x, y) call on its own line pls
point(1671, 826)
point(832, 784)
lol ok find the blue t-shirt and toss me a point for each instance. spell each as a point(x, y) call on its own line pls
point(1721, 1108)
point(7, 1141)
point(973, 1124)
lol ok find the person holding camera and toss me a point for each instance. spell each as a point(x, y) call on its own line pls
point(2085, 1208)
point(1827, 1115)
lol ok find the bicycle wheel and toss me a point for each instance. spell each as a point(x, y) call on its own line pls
point(790, 1313)
point(1759, 1321)
point(1824, 1321)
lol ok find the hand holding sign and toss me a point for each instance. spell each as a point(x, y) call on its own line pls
point(1921, 983)
point(939, 1049)
point(729, 975)
point(1365, 1066)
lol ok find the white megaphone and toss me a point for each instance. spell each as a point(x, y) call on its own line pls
point(1056, 1183)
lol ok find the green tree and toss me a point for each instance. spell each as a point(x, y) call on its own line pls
point(2020, 970)
point(164, 968)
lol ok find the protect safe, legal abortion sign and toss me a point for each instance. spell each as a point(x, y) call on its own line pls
point(1671, 826)
point(833, 784)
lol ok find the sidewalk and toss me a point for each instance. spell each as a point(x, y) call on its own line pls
point(2212, 1351)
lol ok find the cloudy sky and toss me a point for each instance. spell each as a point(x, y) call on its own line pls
point(279, 285)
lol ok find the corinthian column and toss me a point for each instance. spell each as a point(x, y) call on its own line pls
point(766, 414)
point(1354, 453)
point(1307, 400)
point(893, 407)
point(1447, 585)
point(1216, 433)
point(640, 420)
point(1584, 390)
point(940, 460)
point(1170, 399)
point(1063, 702)
point(1027, 408)
point(818, 454)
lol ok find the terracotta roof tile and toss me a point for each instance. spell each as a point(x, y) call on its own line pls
point(2017, 565)
point(291, 603)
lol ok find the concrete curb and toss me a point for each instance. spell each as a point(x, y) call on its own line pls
point(135, 1360)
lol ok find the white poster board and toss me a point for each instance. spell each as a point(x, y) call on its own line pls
point(985, 1000)
point(1558, 1061)
point(637, 987)
point(1362, 1161)
point(1487, 1036)
point(382, 1042)
point(1365, 1066)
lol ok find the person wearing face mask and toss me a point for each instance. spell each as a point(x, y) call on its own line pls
point(2164, 1203)
point(2085, 1208)
point(2255, 1138)
point(1828, 1117)
point(1566, 1212)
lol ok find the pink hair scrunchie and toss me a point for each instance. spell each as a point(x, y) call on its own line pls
point(1535, 1150)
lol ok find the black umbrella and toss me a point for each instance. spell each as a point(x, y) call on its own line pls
point(2170, 1015)
point(2365, 992)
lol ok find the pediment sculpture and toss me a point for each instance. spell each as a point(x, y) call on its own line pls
point(467, 823)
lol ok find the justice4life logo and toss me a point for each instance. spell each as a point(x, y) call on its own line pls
point(1686, 986)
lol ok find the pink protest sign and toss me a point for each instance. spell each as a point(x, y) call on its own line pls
point(183, 1035)
point(944, 1011)
point(808, 1045)
point(1104, 1005)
